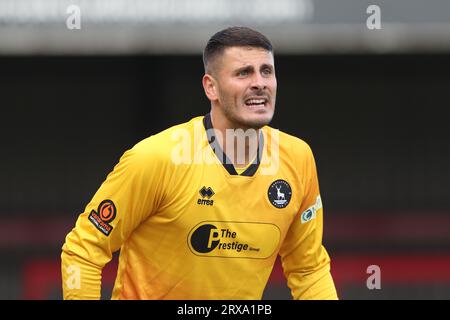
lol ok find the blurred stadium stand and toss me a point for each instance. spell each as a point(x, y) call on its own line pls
point(372, 104)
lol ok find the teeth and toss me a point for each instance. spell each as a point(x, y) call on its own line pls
point(255, 101)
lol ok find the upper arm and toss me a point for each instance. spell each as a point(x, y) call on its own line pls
point(129, 195)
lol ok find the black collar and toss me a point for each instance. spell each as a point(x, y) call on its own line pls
point(227, 164)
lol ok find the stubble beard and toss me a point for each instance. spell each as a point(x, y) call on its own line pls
point(230, 111)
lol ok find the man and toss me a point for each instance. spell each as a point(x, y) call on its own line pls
point(201, 210)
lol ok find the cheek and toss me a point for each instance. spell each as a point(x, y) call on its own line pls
point(233, 90)
point(236, 91)
point(273, 85)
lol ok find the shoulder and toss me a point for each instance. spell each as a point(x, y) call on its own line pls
point(291, 146)
point(294, 155)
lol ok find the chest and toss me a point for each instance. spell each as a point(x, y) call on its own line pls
point(231, 216)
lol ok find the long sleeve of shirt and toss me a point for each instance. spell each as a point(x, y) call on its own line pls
point(305, 261)
point(126, 198)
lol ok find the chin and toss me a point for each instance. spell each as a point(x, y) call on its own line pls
point(257, 121)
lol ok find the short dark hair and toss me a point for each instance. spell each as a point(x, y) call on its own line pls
point(234, 37)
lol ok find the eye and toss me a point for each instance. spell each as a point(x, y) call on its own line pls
point(267, 71)
point(243, 73)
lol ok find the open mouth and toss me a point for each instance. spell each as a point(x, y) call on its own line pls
point(256, 102)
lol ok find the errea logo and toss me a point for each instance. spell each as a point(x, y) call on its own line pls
point(206, 192)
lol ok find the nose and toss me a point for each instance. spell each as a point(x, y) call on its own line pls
point(258, 82)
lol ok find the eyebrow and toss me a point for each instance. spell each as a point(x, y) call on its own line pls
point(265, 65)
point(245, 68)
point(250, 68)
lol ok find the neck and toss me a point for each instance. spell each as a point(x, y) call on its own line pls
point(240, 144)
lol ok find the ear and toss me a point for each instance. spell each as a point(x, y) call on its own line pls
point(210, 87)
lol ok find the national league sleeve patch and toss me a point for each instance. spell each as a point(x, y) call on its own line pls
point(310, 213)
point(106, 213)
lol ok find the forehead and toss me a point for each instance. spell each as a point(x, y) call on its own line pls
point(236, 57)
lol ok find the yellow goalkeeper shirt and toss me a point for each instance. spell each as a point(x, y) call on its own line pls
point(188, 226)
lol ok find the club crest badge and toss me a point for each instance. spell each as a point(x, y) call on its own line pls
point(279, 193)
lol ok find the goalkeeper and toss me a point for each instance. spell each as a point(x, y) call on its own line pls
point(202, 209)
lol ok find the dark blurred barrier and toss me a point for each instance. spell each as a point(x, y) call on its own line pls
point(377, 125)
point(414, 258)
point(403, 277)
